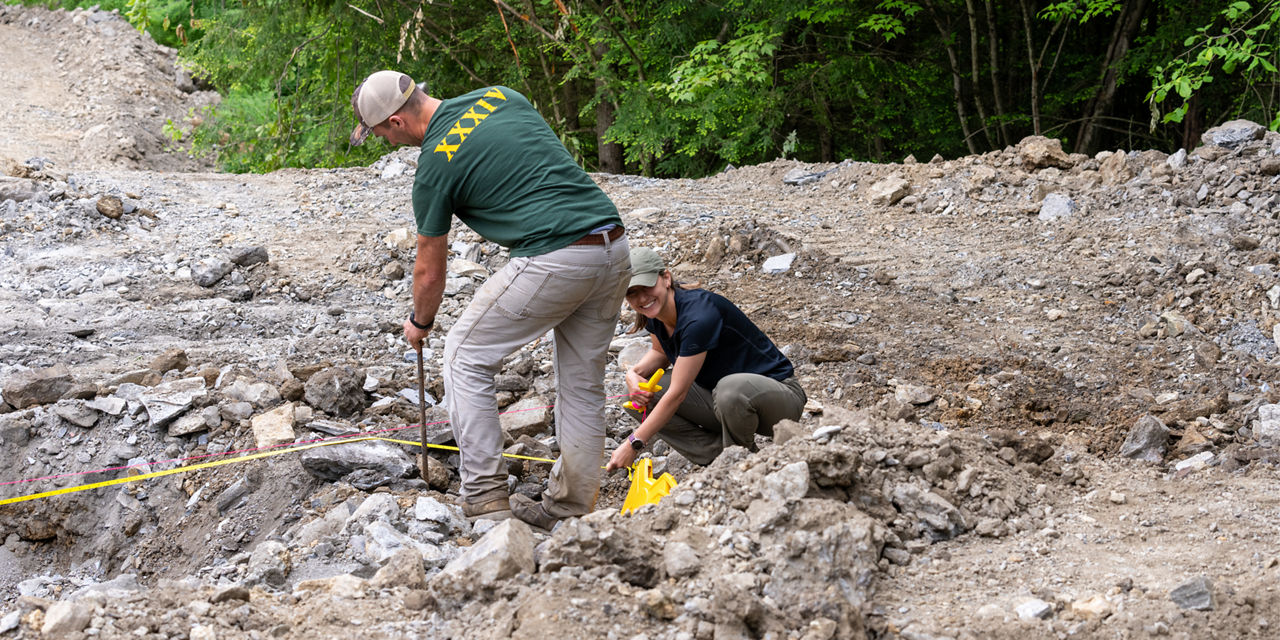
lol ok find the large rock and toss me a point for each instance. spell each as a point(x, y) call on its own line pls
point(936, 517)
point(1267, 430)
point(249, 256)
point(15, 429)
point(111, 207)
point(337, 391)
point(1147, 440)
point(274, 427)
point(17, 189)
point(1039, 152)
point(167, 401)
point(528, 417)
point(335, 461)
point(507, 550)
point(66, 618)
point(258, 394)
point(787, 484)
point(888, 191)
point(1233, 133)
point(207, 273)
point(171, 359)
point(403, 569)
point(75, 412)
point(601, 539)
point(1195, 594)
point(1115, 168)
point(37, 386)
point(269, 564)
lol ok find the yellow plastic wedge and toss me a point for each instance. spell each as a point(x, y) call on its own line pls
point(644, 488)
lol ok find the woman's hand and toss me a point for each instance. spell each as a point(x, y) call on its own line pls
point(640, 399)
point(623, 457)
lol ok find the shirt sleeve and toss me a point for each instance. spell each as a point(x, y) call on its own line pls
point(432, 211)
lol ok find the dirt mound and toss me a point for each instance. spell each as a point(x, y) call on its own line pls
point(85, 90)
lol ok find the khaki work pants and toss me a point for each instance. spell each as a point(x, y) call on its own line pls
point(741, 405)
point(576, 292)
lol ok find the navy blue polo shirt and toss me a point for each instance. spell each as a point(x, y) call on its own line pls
point(707, 322)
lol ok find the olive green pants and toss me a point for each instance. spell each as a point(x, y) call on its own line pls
point(741, 405)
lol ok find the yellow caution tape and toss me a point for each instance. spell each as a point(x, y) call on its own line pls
point(166, 472)
point(644, 488)
point(206, 465)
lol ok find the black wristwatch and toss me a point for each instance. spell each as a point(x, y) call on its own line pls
point(636, 443)
point(421, 327)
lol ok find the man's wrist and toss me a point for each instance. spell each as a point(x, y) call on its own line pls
point(417, 325)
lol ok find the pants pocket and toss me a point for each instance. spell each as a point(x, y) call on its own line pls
point(534, 293)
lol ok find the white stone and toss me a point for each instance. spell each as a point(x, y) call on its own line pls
point(1057, 206)
point(403, 239)
point(779, 264)
point(506, 550)
point(109, 405)
point(64, 618)
point(394, 169)
point(1267, 429)
point(467, 269)
point(1198, 461)
point(1034, 609)
point(274, 427)
point(787, 484)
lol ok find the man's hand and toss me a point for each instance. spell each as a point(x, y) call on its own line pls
point(623, 457)
point(414, 335)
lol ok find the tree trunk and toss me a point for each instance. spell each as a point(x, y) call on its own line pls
point(973, 71)
point(995, 74)
point(1192, 123)
point(609, 153)
point(955, 78)
point(1034, 66)
point(1121, 38)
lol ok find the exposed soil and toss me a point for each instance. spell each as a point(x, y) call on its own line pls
point(978, 336)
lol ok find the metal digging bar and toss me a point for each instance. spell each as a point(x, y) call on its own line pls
point(422, 423)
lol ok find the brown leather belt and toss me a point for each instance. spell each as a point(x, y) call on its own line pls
point(597, 238)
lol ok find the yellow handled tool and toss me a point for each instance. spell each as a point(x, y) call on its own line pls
point(651, 386)
point(645, 489)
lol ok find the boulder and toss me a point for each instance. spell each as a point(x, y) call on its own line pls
point(528, 417)
point(338, 391)
point(1233, 133)
point(167, 401)
point(888, 191)
point(1039, 152)
point(274, 427)
point(37, 386)
point(505, 551)
point(1147, 440)
point(335, 461)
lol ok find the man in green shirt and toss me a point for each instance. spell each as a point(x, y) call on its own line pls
point(489, 159)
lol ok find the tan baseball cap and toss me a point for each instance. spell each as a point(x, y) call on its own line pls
point(646, 265)
point(379, 96)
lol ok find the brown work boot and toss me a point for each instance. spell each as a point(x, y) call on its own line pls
point(495, 509)
point(532, 512)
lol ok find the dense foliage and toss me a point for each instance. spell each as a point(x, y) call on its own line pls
point(684, 87)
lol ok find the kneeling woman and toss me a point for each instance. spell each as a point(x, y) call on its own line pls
point(727, 380)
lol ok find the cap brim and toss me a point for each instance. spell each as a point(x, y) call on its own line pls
point(359, 134)
point(643, 280)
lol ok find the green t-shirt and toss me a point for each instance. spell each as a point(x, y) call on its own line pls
point(489, 158)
